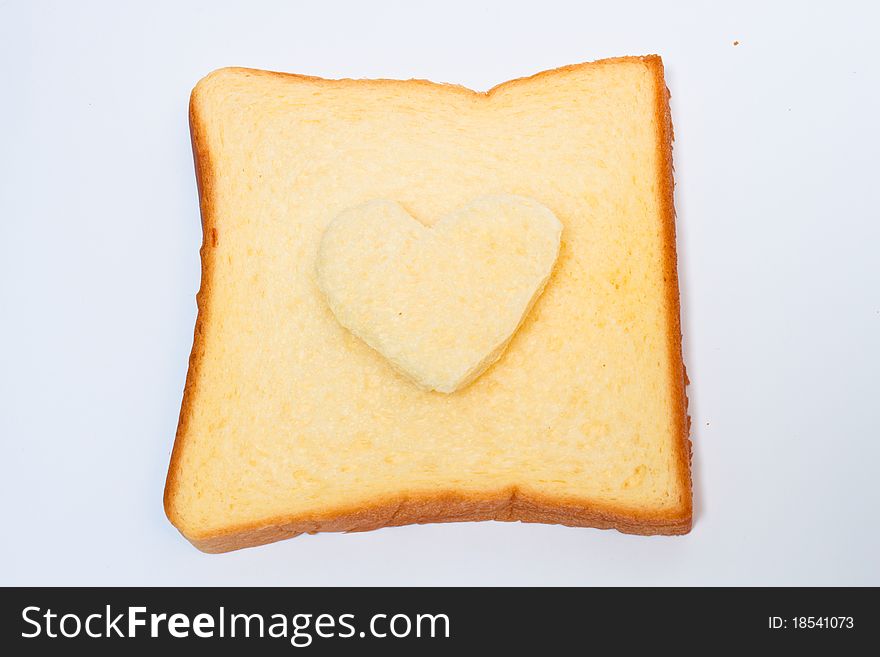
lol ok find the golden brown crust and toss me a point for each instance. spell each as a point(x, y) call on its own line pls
point(677, 373)
point(205, 184)
point(509, 505)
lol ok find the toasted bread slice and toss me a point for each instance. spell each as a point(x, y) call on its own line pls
point(292, 424)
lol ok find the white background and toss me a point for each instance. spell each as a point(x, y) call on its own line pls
point(776, 158)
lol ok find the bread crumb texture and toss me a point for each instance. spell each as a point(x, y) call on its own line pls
point(288, 418)
point(440, 303)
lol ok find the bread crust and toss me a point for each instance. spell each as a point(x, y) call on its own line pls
point(511, 504)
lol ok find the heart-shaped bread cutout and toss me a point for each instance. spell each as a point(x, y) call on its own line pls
point(440, 303)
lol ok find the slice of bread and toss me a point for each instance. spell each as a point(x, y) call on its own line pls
point(291, 424)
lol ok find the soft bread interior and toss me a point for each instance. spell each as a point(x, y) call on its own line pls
point(442, 302)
